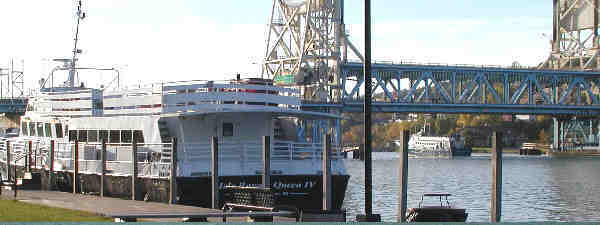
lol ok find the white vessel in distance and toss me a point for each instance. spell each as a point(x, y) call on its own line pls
point(422, 145)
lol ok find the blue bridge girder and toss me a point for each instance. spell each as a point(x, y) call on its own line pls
point(13, 105)
point(469, 89)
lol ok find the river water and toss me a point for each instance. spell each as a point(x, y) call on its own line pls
point(535, 188)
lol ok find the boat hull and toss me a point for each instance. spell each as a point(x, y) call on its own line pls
point(301, 191)
point(436, 214)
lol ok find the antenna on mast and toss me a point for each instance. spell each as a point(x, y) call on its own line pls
point(80, 16)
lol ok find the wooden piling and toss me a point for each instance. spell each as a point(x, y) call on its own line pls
point(266, 155)
point(8, 159)
point(214, 171)
point(75, 167)
point(35, 153)
point(51, 173)
point(403, 173)
point(29, 154)
point(102, 166)
point(173, 173)
point(496, 203)
point(134, 169)
point(327, 172)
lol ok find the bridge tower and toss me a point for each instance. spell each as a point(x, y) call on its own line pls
point(575, 40)
point(575, 46)
point(306, 46)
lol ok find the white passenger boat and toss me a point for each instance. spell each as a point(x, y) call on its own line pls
point(239, 112)
point(422, 145)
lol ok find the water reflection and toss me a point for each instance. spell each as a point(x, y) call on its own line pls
point(534, 188)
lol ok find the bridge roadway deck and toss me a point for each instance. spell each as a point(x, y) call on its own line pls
point(105, 205)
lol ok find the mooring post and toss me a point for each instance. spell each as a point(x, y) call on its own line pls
point(403, 172)
point(102, 165)
point(8, 159)
point(28, 158)
point(496, 204)
point(173, 173)
point(214, 171)
point(15, 181)
point(134, 169)
point(75, 167)
point(51, 173)
point(327, 172)
point(266, 155)
point(35, 153)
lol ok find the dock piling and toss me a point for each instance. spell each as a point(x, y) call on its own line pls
point(103, 166)
point(134, 169)
point(214, 171)
point(496, 204)
point(327, 172)
point(173, 173)
point(28, 158)
point(266, 153)
point(403, 172)
point(76, 167)
point(8, 159)
point(51, 173)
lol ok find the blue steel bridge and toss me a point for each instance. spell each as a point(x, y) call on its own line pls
point(12, 105)
point(412, 88)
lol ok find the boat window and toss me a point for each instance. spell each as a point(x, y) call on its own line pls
point(126, 136)
point(138, 136)
point(48, 130)
point(72, 135)
point(24, 129)
point(92, 136)
point(227, 129)
point(59, 130)
point(103, 135)
point(32, 129)
point(40, 129)
point(115, 136)
point(82, 135)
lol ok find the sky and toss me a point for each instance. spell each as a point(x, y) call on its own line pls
point(159, 40)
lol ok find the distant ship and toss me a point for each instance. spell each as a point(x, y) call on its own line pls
point(421, 145)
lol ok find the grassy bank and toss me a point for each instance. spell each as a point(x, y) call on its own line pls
point(15, 211)
point(489, 150)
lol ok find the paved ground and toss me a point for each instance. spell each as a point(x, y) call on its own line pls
point(106, 205)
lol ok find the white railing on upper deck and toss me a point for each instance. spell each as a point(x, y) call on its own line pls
point(236, 157)
point(189, 96)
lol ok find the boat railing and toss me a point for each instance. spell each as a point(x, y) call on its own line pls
point(177, 97)
point(154, 159)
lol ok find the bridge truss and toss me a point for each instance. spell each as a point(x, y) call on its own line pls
point(464, 89)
